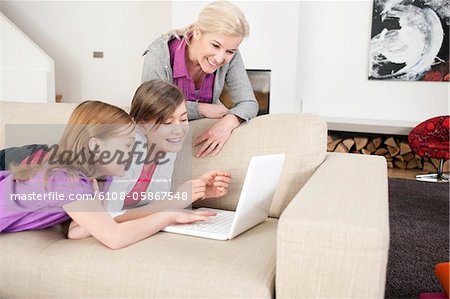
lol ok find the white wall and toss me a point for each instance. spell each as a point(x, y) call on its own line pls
point(27, 74)
point(272, 43)
point(317, 50)
point(69, 31)
point(334, 41)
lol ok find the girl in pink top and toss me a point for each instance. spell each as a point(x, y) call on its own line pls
point(159, 111)
point(72, 180)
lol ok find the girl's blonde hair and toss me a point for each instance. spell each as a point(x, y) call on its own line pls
point(89, 119)
point(155, 100)
point(216, 17)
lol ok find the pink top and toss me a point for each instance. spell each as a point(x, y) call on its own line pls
point(181, 77)
point(26, 205)
point(141, 186)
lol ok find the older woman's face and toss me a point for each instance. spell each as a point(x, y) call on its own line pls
point(213, 50)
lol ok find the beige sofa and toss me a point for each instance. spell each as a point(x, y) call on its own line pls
point(327, 235)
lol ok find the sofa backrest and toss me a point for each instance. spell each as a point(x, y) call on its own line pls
point(302, 137)
point(17, 120)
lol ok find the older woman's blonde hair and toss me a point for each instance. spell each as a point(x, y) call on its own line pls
point(217, 17)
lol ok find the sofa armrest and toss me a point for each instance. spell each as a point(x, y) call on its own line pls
point(333, 238)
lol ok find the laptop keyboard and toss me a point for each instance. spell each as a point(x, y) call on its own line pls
point(220, 224)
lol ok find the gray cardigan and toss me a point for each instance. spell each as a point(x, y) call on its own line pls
point(157, 66)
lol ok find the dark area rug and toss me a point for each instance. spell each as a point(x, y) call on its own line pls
point(419, 225)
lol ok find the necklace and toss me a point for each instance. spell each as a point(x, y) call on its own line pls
point(198, 76)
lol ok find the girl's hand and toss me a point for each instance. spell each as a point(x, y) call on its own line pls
point(217, 183)
point(215, 137)
point(77, 232)
point(212, 110)
point(194, 188)
point(185, 217)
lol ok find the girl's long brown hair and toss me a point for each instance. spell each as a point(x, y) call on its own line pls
point(155, 100)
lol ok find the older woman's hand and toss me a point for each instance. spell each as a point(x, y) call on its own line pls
point(216, 136)
point(212, 110)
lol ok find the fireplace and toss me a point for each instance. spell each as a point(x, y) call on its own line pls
point(260, 81)
point(393, 147)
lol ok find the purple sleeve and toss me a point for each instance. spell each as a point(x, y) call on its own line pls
point(68, 188)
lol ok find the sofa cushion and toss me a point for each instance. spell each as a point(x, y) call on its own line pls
point(43, 264)
point(302, 137)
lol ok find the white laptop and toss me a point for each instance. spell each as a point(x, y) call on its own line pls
point(262, 178)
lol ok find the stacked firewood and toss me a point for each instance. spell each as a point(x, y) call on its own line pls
point(395, 149)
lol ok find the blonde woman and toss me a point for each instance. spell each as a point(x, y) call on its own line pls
point(200, 59)
point(71, 181)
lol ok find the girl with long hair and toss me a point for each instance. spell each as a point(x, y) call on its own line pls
point(72, 180)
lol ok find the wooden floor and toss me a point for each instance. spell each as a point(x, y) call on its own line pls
point(403, 174)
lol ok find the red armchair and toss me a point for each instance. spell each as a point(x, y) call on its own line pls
point(431, 139)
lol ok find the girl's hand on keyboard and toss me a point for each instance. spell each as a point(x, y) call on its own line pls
point(217, 183)
point(186, 217)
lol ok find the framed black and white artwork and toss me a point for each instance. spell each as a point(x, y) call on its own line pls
point(410, 40)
